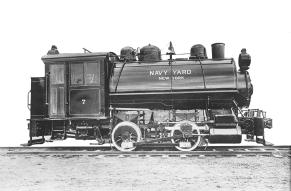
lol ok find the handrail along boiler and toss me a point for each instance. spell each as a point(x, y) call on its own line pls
point(184, 102)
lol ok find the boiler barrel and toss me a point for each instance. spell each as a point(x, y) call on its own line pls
point(191, 83)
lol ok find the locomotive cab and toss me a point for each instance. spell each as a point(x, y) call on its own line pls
point(72, 95)
point(77, 84)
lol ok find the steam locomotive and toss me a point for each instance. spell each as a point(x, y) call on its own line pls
point(137, 98)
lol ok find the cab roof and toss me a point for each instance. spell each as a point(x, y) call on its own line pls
point(74, 56)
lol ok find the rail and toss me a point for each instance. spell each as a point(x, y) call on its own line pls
point(211, 151)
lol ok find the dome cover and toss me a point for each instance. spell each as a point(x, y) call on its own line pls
point(198, 51)
point(128, 53)
point(149, 53)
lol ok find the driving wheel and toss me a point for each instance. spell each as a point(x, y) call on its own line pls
point(186, 135)
point(125, 135)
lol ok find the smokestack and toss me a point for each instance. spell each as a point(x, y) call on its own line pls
point(218, 50)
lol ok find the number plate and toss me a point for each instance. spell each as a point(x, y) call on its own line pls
point(126, 145)
point(185, 144)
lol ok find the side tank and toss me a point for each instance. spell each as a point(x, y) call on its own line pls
point(179, 84)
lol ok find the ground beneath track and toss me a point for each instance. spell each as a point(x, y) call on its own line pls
point(89, 172)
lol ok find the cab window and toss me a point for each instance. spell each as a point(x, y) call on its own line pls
point(57, 74)
point(87, 73)
point(91, 73)
point(77, 74)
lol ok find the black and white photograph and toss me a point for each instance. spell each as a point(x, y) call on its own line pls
point(145, 95)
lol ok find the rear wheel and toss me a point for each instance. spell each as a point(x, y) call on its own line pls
point(125, 135)
point(184, 137)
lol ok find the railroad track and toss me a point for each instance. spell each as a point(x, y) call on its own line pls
point(201, 152)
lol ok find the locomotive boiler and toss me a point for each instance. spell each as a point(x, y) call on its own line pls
point(138, 98)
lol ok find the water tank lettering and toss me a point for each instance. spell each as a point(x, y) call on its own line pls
point(164, 78)
point(181, 72)
point(166, 74)
point(158, 72)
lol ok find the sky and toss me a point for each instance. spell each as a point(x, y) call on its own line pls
point(29, 28)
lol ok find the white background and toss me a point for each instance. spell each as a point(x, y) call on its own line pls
point(29, 28)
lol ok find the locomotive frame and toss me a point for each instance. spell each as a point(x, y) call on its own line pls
point(84, 95)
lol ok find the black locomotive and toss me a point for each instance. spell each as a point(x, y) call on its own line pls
point(137, 98)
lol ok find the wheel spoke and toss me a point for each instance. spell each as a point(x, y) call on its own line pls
point(118, 139)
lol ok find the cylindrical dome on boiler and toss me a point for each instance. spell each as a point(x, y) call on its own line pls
point(198, 51)
point(127, 53)
point(149, 53)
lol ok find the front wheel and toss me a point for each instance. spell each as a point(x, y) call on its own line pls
point(125, 135)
